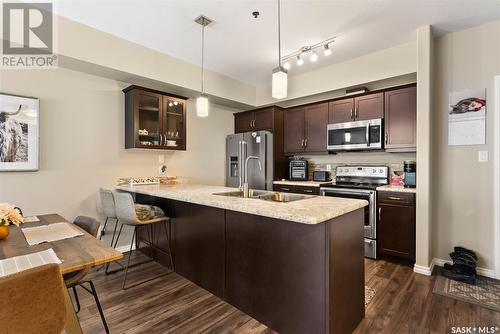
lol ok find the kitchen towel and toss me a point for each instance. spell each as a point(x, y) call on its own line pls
point(16, 264)
point(49, 233)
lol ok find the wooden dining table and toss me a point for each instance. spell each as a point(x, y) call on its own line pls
point(75, 254)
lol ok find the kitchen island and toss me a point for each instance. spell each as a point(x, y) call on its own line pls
point(298, 267)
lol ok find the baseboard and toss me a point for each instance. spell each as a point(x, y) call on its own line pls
point(124, 249)
point(423, 270)
point(481, 271)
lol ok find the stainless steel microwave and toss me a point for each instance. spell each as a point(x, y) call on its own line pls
point(359, 135)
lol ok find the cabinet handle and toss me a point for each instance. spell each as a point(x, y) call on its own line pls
point(308, 191)
point(356, 112)
point(254, 121)
point(379, 214)
point(161, 139)
point(285, 189)
point(302, 143)
point(251, 123)
point(165, 141)
point(394, 198)
point(386, 138)
point(352, 115)
point(305, 142)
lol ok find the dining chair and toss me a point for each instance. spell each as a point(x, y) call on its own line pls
point(78, 278)
point(108, 210)
point(126, 213)
point(32, 301)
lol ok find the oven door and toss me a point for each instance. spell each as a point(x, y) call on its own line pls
point(360, 135)
point(370, 210)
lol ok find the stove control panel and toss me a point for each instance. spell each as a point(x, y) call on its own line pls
point(363, 171)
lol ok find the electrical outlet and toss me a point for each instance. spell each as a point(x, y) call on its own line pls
point(482, 156)
point(162, 169)
point(161, 159)
point(328, 168)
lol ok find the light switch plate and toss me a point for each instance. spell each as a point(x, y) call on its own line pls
point(482, 156)
point(328, 168)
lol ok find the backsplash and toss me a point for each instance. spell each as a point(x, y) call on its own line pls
point(394, 161)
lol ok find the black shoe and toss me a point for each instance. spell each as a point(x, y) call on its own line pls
point(459, 273)
point(463, 258)
point(465, 250)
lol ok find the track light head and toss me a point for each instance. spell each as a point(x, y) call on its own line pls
point(286, 65)
point(300, 61)
point(328, 51)
point(314, 57)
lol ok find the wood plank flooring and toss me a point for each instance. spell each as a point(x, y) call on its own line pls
point(404, 303)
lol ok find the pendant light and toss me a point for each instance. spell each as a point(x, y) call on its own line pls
point(280, 74)
point(202, 100)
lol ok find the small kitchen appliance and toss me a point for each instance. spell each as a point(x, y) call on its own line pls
point(298, 170)
point(321, 176)
point(410, 178)
point(361, 182)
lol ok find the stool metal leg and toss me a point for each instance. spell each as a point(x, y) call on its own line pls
point(114, 246)
point(103, 228)
point(77, 300)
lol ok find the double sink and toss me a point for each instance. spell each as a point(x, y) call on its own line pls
point(266, 195)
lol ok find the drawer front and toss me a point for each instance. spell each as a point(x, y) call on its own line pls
point(284, 188)
point(393, 197)
point(307, 190)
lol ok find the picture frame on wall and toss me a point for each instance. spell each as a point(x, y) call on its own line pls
point(19, 133)
point(467, 117)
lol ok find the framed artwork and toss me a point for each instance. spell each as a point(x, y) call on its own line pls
point(467, 117)
point(19, 133)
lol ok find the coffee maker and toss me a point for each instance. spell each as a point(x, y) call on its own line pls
point(410, 178)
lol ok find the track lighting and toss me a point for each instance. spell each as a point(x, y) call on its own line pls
point(286, 65)
point(314, 57)
point(328, 51)
point(300, 61)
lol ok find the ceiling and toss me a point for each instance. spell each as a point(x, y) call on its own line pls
point(245, 48)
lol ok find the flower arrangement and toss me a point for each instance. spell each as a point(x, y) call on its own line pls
point(9, 214)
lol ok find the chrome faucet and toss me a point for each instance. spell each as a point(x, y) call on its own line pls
point(246, 191)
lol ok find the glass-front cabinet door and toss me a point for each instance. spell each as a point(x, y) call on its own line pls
point(174, 123)
point(154, 119)
point(148, 119)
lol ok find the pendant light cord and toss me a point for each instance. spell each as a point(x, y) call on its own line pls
point(279, 34)
point(202, 57)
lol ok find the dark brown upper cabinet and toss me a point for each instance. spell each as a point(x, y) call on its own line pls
point(305, 129)
point(154, 119)
point(359, 108)
point(401, 120)
point(255, 120)
point(294, 121)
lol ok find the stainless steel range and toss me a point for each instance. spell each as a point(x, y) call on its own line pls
point(360, 182)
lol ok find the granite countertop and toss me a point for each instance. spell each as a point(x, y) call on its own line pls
point(395, 188)
point(302, 183)
point(312, 210)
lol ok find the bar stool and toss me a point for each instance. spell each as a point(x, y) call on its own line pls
point(109, 211)
point(126, 213)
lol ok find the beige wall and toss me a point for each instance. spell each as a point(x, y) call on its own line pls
point(82, 143)
point(462, 186)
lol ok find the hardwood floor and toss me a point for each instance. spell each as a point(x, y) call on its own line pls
point(404, 303)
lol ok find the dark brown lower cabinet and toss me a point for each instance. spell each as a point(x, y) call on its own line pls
point(396, 224)
point(295, 278)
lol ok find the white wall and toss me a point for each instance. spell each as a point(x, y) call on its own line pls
point(463, 187)
point(82, 143)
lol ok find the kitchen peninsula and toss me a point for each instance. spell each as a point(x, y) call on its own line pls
point(296, 267)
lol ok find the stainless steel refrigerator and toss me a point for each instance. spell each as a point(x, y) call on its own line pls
point(242, 145)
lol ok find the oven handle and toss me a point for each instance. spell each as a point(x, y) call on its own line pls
point(368, 134)
point(345, 191)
